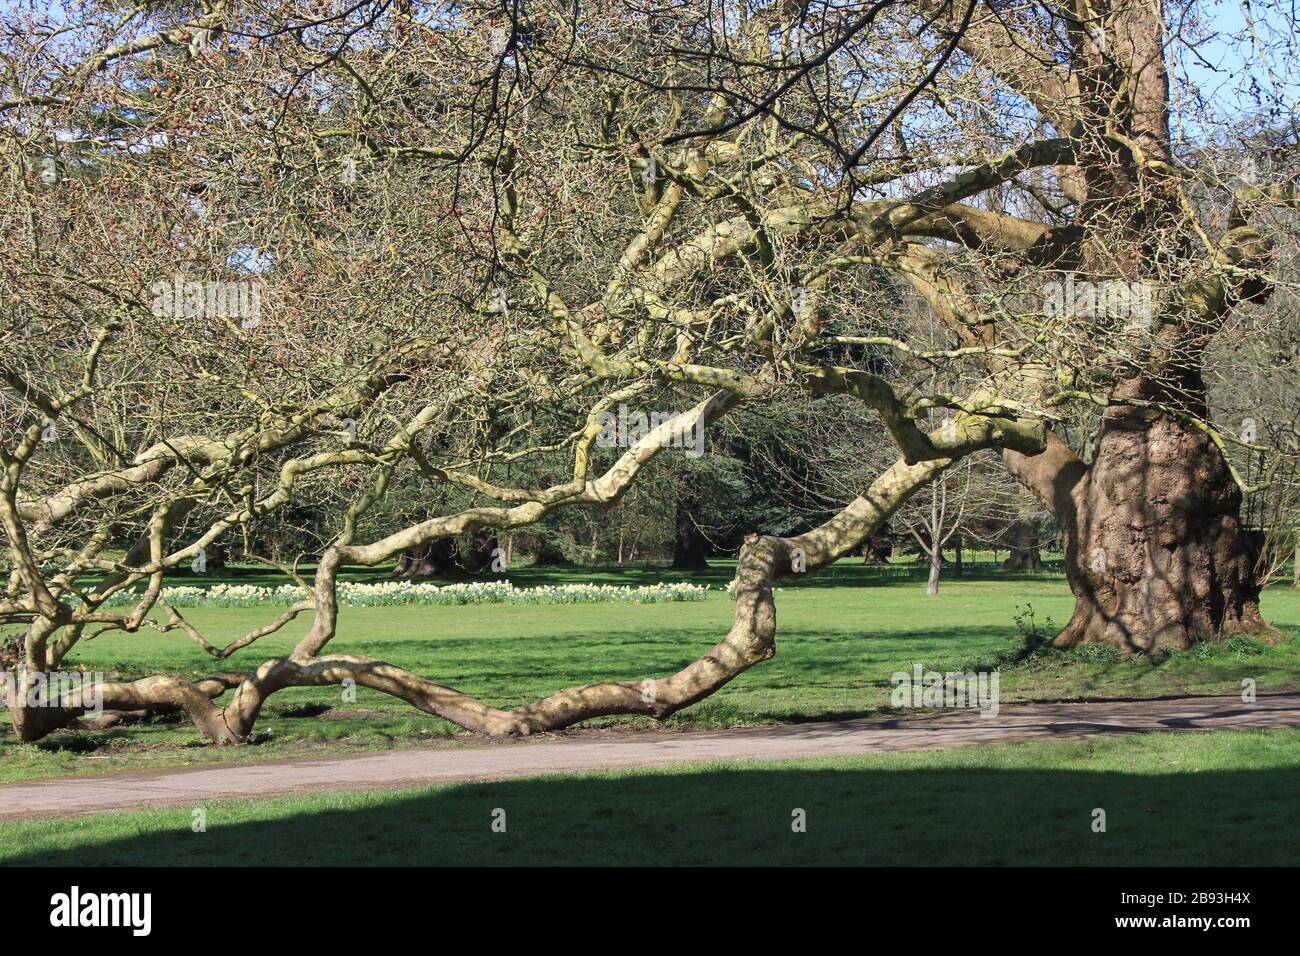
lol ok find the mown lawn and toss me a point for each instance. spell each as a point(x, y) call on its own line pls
point(841, 636)
point(1221, 798)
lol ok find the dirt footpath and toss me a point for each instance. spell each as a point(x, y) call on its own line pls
point(571, 753)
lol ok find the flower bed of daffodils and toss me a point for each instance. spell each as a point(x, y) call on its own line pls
point(389, 593)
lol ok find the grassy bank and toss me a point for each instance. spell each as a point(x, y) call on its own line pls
point(1222, 798)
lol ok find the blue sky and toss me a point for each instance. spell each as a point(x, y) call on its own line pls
point(1226, 67)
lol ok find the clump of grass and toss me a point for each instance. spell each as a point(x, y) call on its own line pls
point(1095, 654)
point(1033, 649)
point(1203, 651)
point(1240, 647)
point(1244, 646)
point(70, 742)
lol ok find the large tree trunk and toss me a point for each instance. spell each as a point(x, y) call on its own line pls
point(1154, 550)
point(688, 544)
point(936, 565)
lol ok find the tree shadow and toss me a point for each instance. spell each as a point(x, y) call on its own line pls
point(958, 816)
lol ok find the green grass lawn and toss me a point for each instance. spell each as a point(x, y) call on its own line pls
point(842, 634)
point(1221, 798)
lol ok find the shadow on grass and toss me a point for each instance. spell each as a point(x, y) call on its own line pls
point(959, 816)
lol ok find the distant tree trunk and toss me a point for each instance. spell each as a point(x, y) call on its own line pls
point(548, 554)
point(936, 565)
point(1024, 555)
point(1295, 570)
point(877, 550)
point(479, 552)
point(437, 559)
point(957, 569)
point(216, 556)
point(688, 544)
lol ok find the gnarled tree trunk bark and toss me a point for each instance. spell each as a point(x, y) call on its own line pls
point(1154, 550)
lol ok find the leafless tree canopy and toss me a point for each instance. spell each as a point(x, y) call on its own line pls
point(257, 257)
